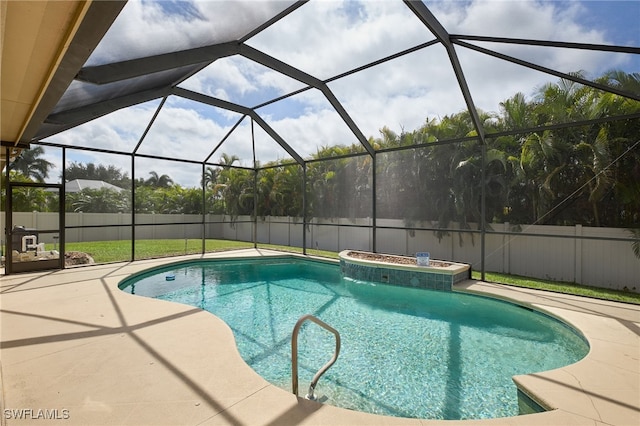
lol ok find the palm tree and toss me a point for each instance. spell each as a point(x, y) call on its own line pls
point(228, 160)
point(27, 199)
point(110, 173)
point(621, 205)
point(595, 161)
point(288, 187)
point(157, 181)
point(98, 201)
point(516, 113)
point(580, 164)
point(236, 188)
point(621, 80)
point(210, 177)
point(29, 164)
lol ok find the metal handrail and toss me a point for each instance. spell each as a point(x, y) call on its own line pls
point(294, 355)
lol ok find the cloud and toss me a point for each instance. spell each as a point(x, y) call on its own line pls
point(324, 39)
point(118, 131)
point(184, 174)
point(227, 73)
point(242, 81)
point(547, 21)
point(313, 129)
point(152, 27)
point(327, 38)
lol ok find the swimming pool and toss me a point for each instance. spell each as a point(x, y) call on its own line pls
point(405, 352)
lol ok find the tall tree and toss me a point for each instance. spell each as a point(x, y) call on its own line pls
point(210, 177)
point(588, 174)
point(110, 174)
point(30, 164)
point(228, 160)
point(28, 199)
point(101, 200)
point(159, 181)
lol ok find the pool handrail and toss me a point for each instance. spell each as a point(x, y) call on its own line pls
point(294, 355)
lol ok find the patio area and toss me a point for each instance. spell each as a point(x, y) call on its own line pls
point(78, 351)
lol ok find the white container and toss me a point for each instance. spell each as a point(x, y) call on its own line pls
point(422, 258)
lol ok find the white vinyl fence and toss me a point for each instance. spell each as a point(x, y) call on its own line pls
point(549, 252)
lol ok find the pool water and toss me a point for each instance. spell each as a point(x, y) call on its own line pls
point(405, 352)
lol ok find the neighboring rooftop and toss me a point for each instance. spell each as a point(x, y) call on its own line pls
point(78, 185)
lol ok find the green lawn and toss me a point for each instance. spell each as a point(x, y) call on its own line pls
point(119, 251)
point(560, 287)
point(310, 252)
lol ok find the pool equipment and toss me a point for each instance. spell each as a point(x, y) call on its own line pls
point(24, 239)
point(422, 258)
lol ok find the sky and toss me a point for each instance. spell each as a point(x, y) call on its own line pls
point(325, 38)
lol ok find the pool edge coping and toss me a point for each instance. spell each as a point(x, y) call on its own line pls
point(520, 381)
point(559, 413)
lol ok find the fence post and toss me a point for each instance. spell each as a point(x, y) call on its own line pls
point(577, 274)
point(120, 222)
point(81, 217)
point(406, 242)
point(506, 250)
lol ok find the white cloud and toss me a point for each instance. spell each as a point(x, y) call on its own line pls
point(311, 130)
point(182, 133)
point(146, 28)
point(325, 38)
point(547, 21)
point(118, 131)
point(241, 81)
point(184, 174)
point(223, 73)
point(402, 97)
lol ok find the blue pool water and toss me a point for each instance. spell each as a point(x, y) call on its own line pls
point(405, 352)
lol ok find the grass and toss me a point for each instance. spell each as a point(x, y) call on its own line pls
point(119, 251)
point(310, 252)
point(560, 287)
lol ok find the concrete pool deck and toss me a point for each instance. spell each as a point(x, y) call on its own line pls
point(76, 346)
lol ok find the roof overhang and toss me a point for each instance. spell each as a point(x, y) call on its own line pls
point(43, 46)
